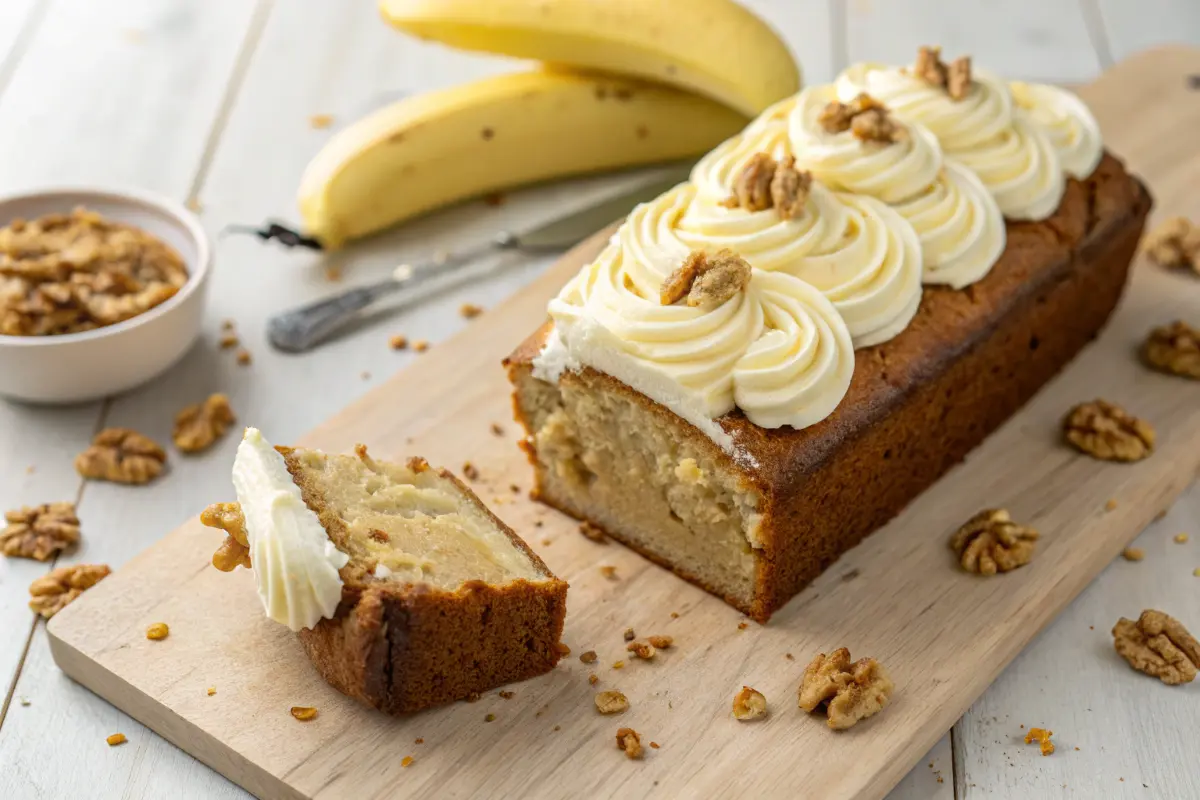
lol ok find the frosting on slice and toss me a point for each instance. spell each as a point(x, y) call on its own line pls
point(1066, 120)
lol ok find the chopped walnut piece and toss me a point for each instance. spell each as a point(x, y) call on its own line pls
point(609, 571)
point(661, 642)
point(53, 592)
point(199, 425)
point(851, 691)
point(1174, 243)
point(235, 550)
point(1175, 349)
point(629, 741)
point(39, 532)
point(304, 713)
point(722, 275)
point(1106, 431)
point(1042, 737)
point(876, 125)
point(790, 188)
point(612, 702)
point(991, 542)
point(929, 67)
point(588, 657)
point(642, 650)
point(158, 631)
point(679, 283)
point(752, 189)
point(958, 78)
point(628, 635)
point(1158, 645)
point(470, 471)
point(593, 532)
point(835, 117)
point(1133, 554)
point(749, 704)
point(121, 455)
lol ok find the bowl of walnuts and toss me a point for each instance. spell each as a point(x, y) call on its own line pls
point(100, 291)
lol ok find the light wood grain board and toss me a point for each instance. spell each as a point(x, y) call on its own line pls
point(945, 635)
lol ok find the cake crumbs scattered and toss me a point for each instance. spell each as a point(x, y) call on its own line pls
point(469, 310)
point(629, 635)
point(609, 572)
point(116, 739)
point(743, 625)
point(661, 642)
point(507, 695)
point(749, 704)
point(243, 357)
point(407, 761)
point(512, 487)
point(469, 471)
point(618, 665)
point(563, 649)
point(420, 345)
point(489, 718)
point(398, 342)
point(593, 678)
point(229, 341)
point(1111, 505)
point(25, 701)
point(319, 121)
point(1181, 538)
point(304, 713)
point(497, 430)
point(1133, 554)
point(211, 691)
point(674, 615)
point(158, 631)
point(594, 533)
point(654, 745)
point(546, 542)
point(611, 702)
point(629, 741)
point(1042, 736)
point(789, 656)
point(418, 740)
point(643, 650)
point(588, 657)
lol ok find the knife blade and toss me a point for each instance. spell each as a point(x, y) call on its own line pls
point(301, 329)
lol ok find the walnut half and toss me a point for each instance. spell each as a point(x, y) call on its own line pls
point(1174, 349)
point(52, 593)
point(706, 279)
point(991, 542)
point(40, 532)
point(850, 691)
point(1108, 432)
point(1158, 645)
point(121, 455)
point(766, 183)
point(749, 704)
point(1174, 244)
point(199, 425)
point(235, 550)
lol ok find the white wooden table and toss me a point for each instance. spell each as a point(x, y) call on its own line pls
point(209, 101)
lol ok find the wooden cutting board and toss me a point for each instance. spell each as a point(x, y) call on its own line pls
point(944, 634)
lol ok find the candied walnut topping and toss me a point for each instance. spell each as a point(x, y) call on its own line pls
point(1108, 432)
point(304, 713)
point(158, 631)
point(611, 702)
point(121, 455)
point(865, 117)
point(199, 425)
point(629, 741)
point(235, 550)
point(1175, 349)
point(66, 273)
point(54, 592)
point(707, 279)
point(1175, 244)
point(850, 691)
point(642, 650)
point(790, 188)
point(40, 532)
point(1042, 737)
point(1158, 645)
point(991, 542)
point(749, 704)
point(954, 77)
point(766, 183)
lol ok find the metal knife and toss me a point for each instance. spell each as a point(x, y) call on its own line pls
point(303, 328)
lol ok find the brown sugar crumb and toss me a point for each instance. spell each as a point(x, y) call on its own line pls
point(593, 532)
point(40, 532)
point(506, 695)
point(661, 642)
point(749, 704)
point(1106, 431)
point(469, 310)
point(611, 702)
point(609, 572)
point(1133, 554)
point(628, 635)
point(304, 713)
point(674, 615)
point(991, 542)
point(1111, 505)
point(53, 592)
point(235, 550)
point(406, 762)
point(497, 429)
point(629, 742)
point(850, 691)
point(319, 121)
point(643, 650)
point(469, 471)
point(158, 631)
point(743, 625)
point(229, 341)
point(589, 657)
point(121, 455)
point(418, 741)
point(789, 656)
point(1174, 349)
point(398, 342)
point(1158, 645)
point(199, 425)
point(654, 745)
point(1042, 737)
point(1174, 244)
point(420, 345)
point(116, 739)
point(1180, 538)
point(68, 273)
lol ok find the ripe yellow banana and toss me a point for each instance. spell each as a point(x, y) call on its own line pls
point(717, 48)
point(436, 148)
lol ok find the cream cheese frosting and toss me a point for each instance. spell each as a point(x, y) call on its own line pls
point(295, 564)
point(1012, 156)
point(1066, 120)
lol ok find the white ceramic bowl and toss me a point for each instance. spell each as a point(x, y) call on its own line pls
point(76, 367)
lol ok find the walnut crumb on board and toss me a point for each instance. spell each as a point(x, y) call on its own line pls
point(1158, 645)
point(661, 642)
point(243, 357)
point(1042, 737)
point(211, 691)
point(850, 691)
point(1111, 505)
point(39, 532)
point(1108, 432)
point(116, 739)
point(199, 425)
point(53, 592)
point(588, 657)
point(235, 550)
point(121, 455)
point(628, 635)
point(594, 533)
point(643, 650)
point(991, 542)
point(609, 572)
point(304, 713)
point(228, 341)
point(1174, 244)
point(593, 678)
point(420, 345)
point(158, 631)
point(1174, 349)
point(629, 742)
point(470, 471)
point(562, 648)
point(406, 762)
point(469, 310)
point(398, 342)
point(611, 702)
point(1133, 554)
point(749, 704)
point(1180, 538)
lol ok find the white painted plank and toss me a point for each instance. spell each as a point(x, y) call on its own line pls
point(1131, 731)
point(1036, 39)
point(932, 778)
point(112, 93)
point(1131, 27)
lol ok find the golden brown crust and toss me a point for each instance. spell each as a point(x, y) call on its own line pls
point(920, 402)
